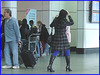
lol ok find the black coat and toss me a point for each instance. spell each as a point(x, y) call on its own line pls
point(60, 41)
point(22, 31)
point(2, 26)
point(44, 34)
point(2, 37)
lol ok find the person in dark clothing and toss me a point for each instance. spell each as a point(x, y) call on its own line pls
point(2, 35)
point(20, 23)
point(43, 36)
point(2, 23)
point(24, 29)
point(60, 41)
point(33, 27)
point(24, 23)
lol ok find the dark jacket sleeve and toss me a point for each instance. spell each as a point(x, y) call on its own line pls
point(71, 22)
point(53, 24)
point(2, 26)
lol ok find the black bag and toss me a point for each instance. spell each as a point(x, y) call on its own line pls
point(24, 45)
point(28, 58)
point(50, 38)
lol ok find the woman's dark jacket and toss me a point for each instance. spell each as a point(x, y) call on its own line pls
point(60, 41)
point(44, 34)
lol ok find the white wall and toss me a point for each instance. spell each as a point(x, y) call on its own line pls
point(91, 32)
point(88, 33)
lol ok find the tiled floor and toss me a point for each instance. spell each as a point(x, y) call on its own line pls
point(80, 64)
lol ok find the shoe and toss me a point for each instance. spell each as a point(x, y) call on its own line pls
point(68, 63)
point(6, 67)
point(68, 68)
point(49, 68)
point(43, 54)
point(15, 67)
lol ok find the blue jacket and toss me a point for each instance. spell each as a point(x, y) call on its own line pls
point(11, 30)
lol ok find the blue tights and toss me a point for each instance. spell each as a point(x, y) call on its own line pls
point(67, 52)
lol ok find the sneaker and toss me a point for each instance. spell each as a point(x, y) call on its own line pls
point(44, 54)
point(15, 67)
point(6, 67)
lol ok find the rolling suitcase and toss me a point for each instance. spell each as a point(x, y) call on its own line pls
point(28, 58)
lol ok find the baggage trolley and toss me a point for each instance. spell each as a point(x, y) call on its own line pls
point(33, 38)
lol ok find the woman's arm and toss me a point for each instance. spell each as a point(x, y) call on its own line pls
point(71, 22)
point(53, 24)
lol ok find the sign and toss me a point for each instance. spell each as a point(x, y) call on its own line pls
point(94, 11)
point(31, 15)
point(95, 5)
point(95, 17)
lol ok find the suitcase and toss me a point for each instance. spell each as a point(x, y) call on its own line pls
point(24, 44)
point(28, 58)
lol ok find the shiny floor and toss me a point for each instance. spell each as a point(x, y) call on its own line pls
point(80, 64)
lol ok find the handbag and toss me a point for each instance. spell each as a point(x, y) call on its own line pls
point(50, 38)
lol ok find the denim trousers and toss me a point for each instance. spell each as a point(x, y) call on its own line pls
point(11, 47)
point(46, 50)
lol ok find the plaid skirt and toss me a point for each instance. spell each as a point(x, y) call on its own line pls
point(60, 42)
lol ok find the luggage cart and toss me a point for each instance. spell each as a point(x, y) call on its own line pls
point(33, 38)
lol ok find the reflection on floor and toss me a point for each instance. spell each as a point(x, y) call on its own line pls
point(80, 64)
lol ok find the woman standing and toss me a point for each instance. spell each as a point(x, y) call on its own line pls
point(60, 41)
point(24, 29)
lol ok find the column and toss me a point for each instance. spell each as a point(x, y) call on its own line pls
point(12, 5)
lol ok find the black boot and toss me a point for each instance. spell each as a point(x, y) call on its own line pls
point(49, 68)
point(68, 63)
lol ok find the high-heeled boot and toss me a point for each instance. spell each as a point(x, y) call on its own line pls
point(68, 63)
point(49, 68)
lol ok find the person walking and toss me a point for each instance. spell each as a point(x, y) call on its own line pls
point(60, 41)
point(12, 39)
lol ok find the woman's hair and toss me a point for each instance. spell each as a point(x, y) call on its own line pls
point(39, 22)
point(24, 23)
point(62, 14)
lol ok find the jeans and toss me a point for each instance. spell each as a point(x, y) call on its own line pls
point(11, 47)
point(37, 44)
point(46, 50)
